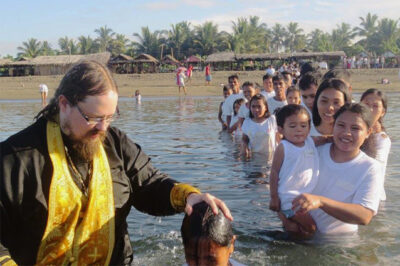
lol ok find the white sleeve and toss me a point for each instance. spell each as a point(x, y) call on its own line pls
point(368, 192)
point(246, 126)
point(242, 111)
point(227, 108)
point(383, 149)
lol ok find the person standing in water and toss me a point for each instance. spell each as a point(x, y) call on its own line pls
point(44, 91)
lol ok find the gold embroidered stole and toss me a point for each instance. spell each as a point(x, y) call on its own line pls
point(79, 230)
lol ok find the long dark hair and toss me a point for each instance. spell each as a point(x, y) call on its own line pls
point(257, 97)
point(84, 79)
point(364, 111)
point(336, 84)
point(383, 98)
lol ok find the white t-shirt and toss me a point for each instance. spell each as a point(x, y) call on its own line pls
point(382, 145)
point(268, 95)
point(43, 88)
point(244, 112)
point(274, 104)
point(138, 98)
point(227, 107)
point(299, 171)
point(261, 135)
point(313, 131)
point(223, 116)
point(358, 181)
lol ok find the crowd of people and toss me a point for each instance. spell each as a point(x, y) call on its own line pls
point(69, 180)
point(328, 153)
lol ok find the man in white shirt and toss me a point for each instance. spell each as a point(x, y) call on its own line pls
point(268, 86)
point(227, 108)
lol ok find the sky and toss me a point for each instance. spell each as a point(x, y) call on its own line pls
point(47, 20)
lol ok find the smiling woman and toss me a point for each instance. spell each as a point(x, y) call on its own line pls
point(331, 95)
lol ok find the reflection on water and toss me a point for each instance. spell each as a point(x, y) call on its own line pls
point(182, 135)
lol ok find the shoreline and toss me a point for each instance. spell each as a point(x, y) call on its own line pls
point(163, 84)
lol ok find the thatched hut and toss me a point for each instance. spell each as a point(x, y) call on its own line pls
point(194, 61)
point(52, 65)
point(170, 60)
point(221, 60)
point(145, 63)
point(4, 68)
point(121, 64)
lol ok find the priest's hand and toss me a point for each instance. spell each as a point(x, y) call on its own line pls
point(214, 203)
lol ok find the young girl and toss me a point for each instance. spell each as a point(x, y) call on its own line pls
point(380, 141)
point(349, 181)
point(226, 91)
point(138, 97)
point(180, 81)
point(259, 130)
point(235, 126)
point(293, 95)
point(294, 169)
point(249, 91)
point(331, 95)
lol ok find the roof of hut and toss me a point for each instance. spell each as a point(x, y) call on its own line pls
point(169, 59)
point(325, 55)
point(221, 57)
point(4, 61)
point(145, 58)
point(193, 59)
point(256, 57)
point(121, 58)
point(64, 59)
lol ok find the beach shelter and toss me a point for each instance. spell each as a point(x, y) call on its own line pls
point(145, 63)
point(4, 67)
point(221, 60)
point(121, 64)
point(170, 60)
point(388, 54)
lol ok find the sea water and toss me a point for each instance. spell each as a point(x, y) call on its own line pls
point(184, 139)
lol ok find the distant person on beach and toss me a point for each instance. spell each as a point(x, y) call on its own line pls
point(207, 238)
point(349, 182)
point(208, 74)
point(259, 130)
point(189, 73)
point(379, 145)
point(44, 91)
point(69, 180)
point(294, 169)
point(226, 91)
point(138, 97)
point(180, 81)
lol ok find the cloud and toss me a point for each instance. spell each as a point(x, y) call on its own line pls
point(200, 3)
point(171, 5)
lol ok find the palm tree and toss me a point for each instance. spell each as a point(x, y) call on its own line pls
point(105, 38)
point(388, 34)
point(119, 44)
point(278, 36)
point(294, 38)
point(248, 35)
point(46, 49)
point(31, 48)
point(86, 45)
point(342, 36)
point(67, 46)
point(207, 38)
point(177, 37)
point(149, 42)
point(368, 27)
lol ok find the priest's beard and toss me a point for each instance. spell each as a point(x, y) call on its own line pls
point(85, 147)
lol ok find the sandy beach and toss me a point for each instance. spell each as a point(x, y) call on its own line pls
point(163, 84)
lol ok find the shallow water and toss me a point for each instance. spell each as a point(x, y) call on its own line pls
point(182, 135)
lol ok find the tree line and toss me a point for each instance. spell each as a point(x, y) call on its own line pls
point(373, 36)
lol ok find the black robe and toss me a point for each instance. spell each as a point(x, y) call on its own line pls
point(26, 172)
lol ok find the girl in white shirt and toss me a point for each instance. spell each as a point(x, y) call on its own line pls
point(259, 130)
point(235, 126)
point(349, 181)
point(294, 169)
point(379, 146)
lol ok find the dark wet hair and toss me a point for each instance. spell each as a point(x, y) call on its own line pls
point(338, 73)
point(87, 78)
point(288, 110)
point(364, 111)
point(383, 98)
point(238, 101)
point(257, 97)
point(308, 67)
point(248, 84)
point(226, 88)
point(278, 77)
point(336, 84)
point(292, 89)
point(204, 223)
point(310, 78)
point(234, 76)
point(267, 76)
